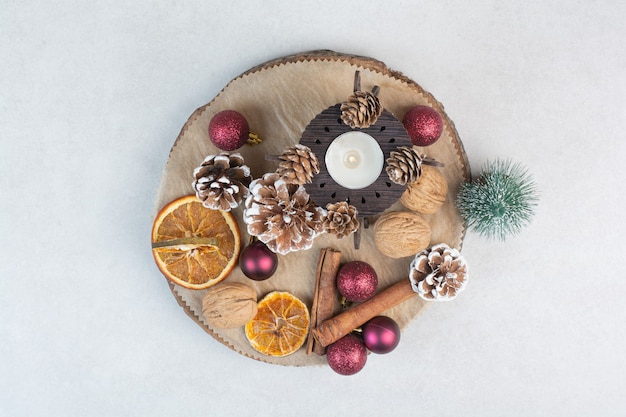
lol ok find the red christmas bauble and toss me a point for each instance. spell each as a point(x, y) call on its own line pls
point(347, 356)
point(423, 124)
point(257, 261)
point(381, 334)
point(357, 281)
point(229, 130)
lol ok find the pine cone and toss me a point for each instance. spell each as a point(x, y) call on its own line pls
point(281, 215)
point(341, 219)
point(222, 181)
point(438, 273)
point(361, 110)
point(404, 165)
point(298, 165)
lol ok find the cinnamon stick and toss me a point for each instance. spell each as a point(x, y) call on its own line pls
point(337, 327)
point(325, 294)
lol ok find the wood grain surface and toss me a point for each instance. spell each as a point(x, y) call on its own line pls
point(279, 99)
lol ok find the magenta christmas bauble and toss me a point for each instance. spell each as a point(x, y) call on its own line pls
point(357, 281)
point(346, 356)
point(257, 261)
point(381, 334)
point(423, 124)
point(229, 130)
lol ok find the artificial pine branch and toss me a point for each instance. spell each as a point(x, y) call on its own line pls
point(500, 202)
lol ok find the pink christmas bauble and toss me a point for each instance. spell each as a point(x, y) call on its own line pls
point(423, 124)
point(357, 281)
point(257, 261)
point(229, 130)
point(346, 356)
point(381, 334)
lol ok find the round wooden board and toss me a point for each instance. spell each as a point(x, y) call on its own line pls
point(279, 99)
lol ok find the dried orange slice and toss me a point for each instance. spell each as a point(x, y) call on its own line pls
point(193, 246)
point(280, 326)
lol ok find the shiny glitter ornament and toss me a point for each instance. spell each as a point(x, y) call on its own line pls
point(357, 281)
point(423, 124)
point(257, 261)
point(347, 356)
point(229, 130)
point(381, 334)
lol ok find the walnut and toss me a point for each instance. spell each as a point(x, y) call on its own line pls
point(229, 305)
point(426, 194)
point(399, 234)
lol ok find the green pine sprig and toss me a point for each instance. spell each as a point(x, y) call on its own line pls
point(500, 202)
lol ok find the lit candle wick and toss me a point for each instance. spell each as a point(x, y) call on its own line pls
point(352, 159)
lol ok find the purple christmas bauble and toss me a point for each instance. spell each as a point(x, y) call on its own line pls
point(228, 130)
point(346, 356)
point(357, 281)
point(423, 124)
point(381, 334)
point(257, 261)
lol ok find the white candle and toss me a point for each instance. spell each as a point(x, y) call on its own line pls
point(354, 160)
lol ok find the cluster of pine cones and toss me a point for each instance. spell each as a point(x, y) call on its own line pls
point(278, 209)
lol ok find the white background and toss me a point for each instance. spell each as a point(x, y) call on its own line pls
point(93, 95)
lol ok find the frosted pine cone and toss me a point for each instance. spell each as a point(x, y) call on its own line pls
point(404, 165)
point(222, 181)
point(361, 110)
point(298, 165)
point(438, 273)
point(281, 215)
point(341, 219)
